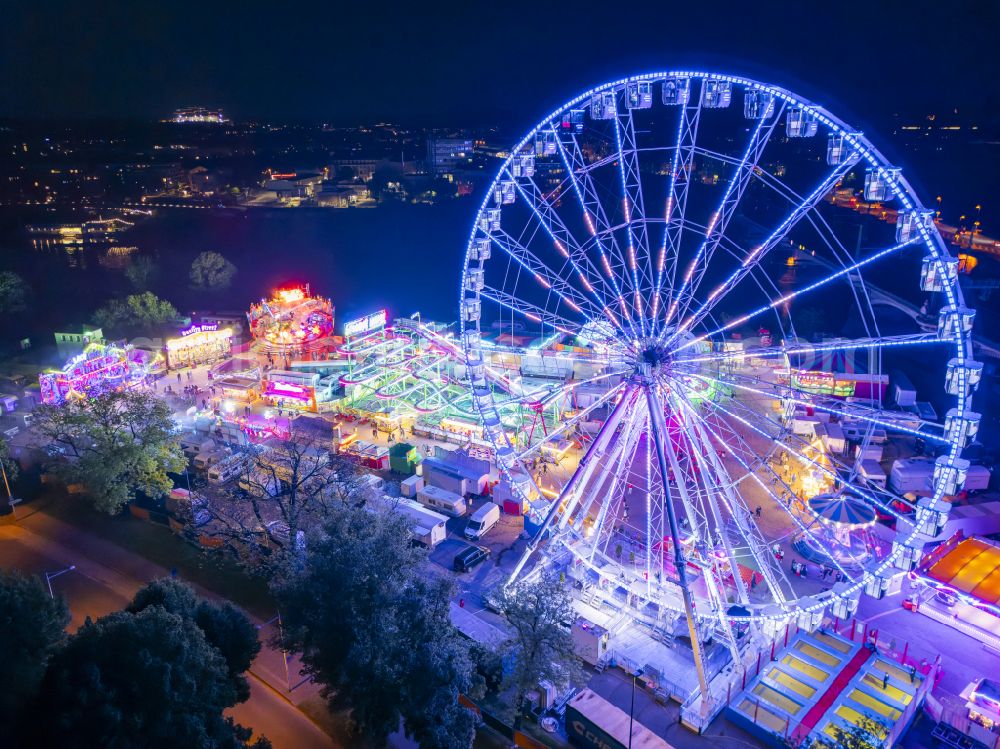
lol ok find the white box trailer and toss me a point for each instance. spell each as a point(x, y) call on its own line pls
point(228, 469)
point(442, 500)
point(835, 440)
point(903, 391)
point(428, 528)
point(868, 452)
point(911, 475)
point(871, 471)
point(410, 486)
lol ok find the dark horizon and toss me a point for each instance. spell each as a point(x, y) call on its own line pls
point(473, 65)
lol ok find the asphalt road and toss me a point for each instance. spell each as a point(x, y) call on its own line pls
point(40, 544)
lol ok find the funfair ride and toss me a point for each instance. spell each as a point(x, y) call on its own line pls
point(655, 223)
point(292, 322)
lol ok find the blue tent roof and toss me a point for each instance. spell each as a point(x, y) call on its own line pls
point(842, 510)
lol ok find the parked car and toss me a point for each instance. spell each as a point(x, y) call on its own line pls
point(469, 557)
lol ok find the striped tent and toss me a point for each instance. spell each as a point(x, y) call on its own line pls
point(842, 510)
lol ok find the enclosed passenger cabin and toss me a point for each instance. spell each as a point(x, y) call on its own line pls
point(545, 143)
point(603, 106)
point(952, 320)
point(800, 123)
point(504, 192)
point(938, 274)
point(837, 149)
point(879, 183)
point(910, 223)
point(489, 221)
point(639, 95)
point(676, 91)
point(572, 121)
point(758, 105)
point(522, 166)
point(716, 94)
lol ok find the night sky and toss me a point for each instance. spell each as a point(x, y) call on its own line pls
point(467, 63)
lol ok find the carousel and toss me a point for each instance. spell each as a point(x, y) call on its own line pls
point(292, 322)
point(840, 532)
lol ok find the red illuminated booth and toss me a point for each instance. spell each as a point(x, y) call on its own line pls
point(292, 322)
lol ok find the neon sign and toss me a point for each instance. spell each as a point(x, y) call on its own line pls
point(203, 328)
point(363, 325)
point(289, 296)
point(288, 390)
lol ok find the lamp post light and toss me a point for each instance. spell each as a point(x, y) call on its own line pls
point(631, 710)
point(50, 576)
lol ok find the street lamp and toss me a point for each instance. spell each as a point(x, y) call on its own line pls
point(631, 710)
point(50, 576)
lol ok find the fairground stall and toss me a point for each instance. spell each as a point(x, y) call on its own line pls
point(292, 322)
point(99, 369)
point(199, 344)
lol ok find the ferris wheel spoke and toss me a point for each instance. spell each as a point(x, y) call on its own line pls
point(568, 425)
point(680, 182)
point(595, 219)
point(634, 209)
point(552, 281)
point(629, 172)
point(757, 254)
point(888, 420)
point(785, 298)
point(530, 311)
point(564, 240)
point(719, 221)
point(740, 515)
point(805, 350)
point(784, 504)
point(833, 476)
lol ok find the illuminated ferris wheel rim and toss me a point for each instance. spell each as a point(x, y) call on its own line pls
point(860, 150)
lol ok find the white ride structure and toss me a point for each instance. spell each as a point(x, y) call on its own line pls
point(645, 223)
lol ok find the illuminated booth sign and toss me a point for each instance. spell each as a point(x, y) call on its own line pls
point(199, 344)
point(361, 326)
point(99, 369)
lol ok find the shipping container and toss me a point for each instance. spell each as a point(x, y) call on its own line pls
point(594, 723)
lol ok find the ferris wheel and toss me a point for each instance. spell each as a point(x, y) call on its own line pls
point(728, 279)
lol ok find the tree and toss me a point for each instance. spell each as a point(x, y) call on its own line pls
point(115, 444)
point(375, 633)
point(14, 293)
point(210, 270)
point(141, 272)
point(225, 626)
point(290, 486)
point(10, 465)
point(136, 312)
point(32, 627)
point(541, 646)
point(145, 679)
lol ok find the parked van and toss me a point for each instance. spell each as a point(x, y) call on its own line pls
point(469, 557)
point(441, 500)
point(482, 521)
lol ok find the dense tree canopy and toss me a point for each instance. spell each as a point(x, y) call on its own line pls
point(210, 270)
point(149, 679)
point(225, 626)
point(14, 293)
point(376, 633)
point(32, 626)
point(135, 313)
point(141, 272)
point(115, 443)
point(542, 645)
